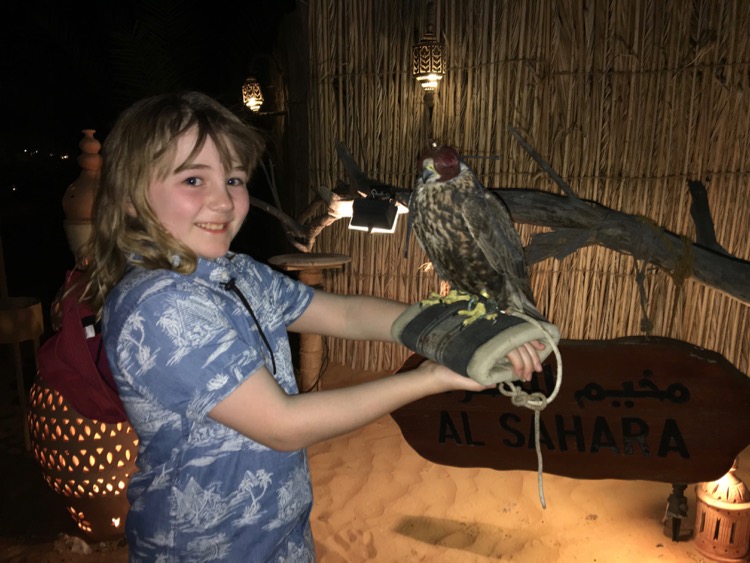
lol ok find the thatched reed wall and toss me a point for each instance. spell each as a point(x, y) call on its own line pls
point(627, 101)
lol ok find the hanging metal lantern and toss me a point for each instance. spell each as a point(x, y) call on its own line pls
point(722, 518)
point(428, 61)
point(428, 56)
point(87, 462)
point(252, 96)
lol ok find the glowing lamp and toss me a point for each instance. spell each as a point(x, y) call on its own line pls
point(87, 462)
point(373, 215)
point(252, 96)
point(722, 518)
point(428, 56)
point(428, 61)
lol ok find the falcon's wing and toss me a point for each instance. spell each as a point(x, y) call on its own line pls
point(491, 226)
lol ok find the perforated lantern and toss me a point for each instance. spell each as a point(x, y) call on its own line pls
point(252, 96)
point(428, 61)
point(722, 518)
point(428, 56)
point(88, 463)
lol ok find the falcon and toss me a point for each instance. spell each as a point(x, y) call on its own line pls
point(468, 235)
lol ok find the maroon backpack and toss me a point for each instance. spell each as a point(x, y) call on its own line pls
point(74, 363)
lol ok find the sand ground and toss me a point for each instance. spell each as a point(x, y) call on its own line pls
point(377, 500)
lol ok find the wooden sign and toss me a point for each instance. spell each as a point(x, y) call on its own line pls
point(633, 408)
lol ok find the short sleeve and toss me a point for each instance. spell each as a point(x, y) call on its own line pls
point(289, 297)
point(298, 298)
point(180, 350)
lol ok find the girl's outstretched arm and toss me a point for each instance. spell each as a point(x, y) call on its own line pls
point(371, 318)
point(262, 411)
point(355, 317)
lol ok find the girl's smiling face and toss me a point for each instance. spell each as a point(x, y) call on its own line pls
point(199, 202)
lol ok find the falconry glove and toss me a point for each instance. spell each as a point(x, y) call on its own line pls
point(476, 349)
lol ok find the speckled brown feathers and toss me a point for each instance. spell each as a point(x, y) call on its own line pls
point(467, 233)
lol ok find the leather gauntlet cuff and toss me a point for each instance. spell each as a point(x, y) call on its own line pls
point(477, 350)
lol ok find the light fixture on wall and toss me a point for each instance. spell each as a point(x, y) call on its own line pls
point(376, 213)
point(252, 96)
point(373, 215)
point(428, 56)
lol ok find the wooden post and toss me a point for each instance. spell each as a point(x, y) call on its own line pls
point(310, 268)
point(20, 321)
point(3, 278)
point(310, 345)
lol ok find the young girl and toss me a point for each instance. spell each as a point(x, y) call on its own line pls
point(197, 340)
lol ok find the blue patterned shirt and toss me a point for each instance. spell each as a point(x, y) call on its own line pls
point(178, 345)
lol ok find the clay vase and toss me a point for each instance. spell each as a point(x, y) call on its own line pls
point(78, 200)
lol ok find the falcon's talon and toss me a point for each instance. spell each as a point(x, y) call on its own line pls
point(474, 313)
point(434, 299)
point(477, 306)
point(453, 296)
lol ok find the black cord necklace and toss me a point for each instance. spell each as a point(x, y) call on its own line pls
point(231, 285)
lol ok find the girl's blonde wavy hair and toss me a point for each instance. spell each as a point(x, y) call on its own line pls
point(140, 148)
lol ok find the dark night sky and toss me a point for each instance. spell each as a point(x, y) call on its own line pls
point(73, 65)
point(67, 66)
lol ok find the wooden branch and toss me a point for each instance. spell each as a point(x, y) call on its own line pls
point(582, 224)
point(302, 233)
point(543, 164)
point(295, 233)
point(577, 223)
point(701, 213)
